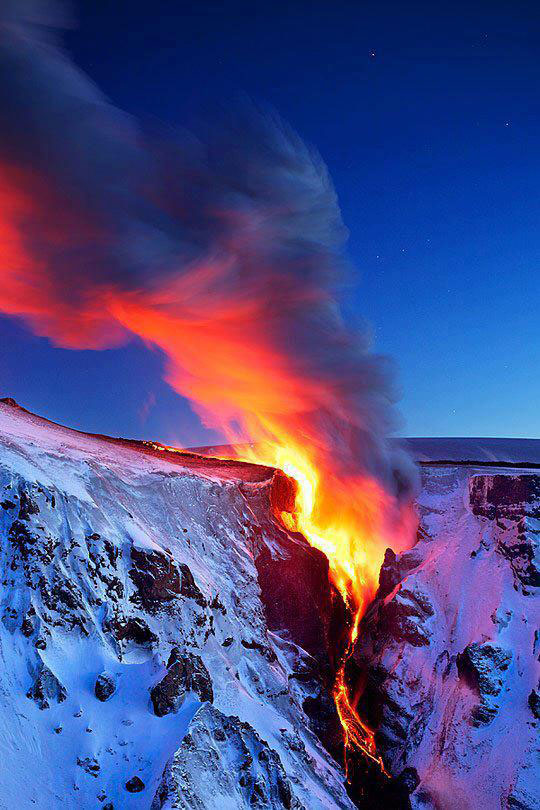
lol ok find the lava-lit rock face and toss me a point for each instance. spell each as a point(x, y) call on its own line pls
point(145, 660)
point(166, 644)
point(451, 646)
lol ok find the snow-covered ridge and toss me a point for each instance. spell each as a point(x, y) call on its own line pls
point(165, 644)
point(136, 600)
point(422, 449)
point(494, 452)
point(451, 645)
point(40, 437)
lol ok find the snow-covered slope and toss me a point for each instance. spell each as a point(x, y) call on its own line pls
point(138, 668)
point(484, 451)
point(165, 644)
point(451, 645)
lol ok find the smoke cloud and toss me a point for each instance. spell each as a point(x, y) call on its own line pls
point(222, 246)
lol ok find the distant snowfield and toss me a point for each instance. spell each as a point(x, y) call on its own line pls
point(426, 450)
point(506, 451)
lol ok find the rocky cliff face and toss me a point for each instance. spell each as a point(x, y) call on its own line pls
point(147, 660)
point(166, 644)
point(450, 649)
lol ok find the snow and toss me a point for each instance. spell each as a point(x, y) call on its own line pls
point(101, 500)
point(512, 451)
point(467, 568)
point(94, 502)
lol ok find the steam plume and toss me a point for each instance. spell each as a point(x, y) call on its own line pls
point(222, 247)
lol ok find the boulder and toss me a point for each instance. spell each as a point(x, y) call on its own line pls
point(186, 672)
point(105, 686)
point(46, 688)
point(134, 785)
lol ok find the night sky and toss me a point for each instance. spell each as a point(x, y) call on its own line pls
point(428, 118)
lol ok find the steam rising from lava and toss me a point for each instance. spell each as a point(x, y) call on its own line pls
point(223, 249)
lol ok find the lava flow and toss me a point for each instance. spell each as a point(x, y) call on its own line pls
point(352, 570)
point(222, 249)
point(357, 735)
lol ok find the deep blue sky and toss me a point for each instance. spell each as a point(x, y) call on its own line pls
point(428, 118)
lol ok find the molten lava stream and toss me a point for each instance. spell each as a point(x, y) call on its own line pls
point(357, 735)
point(345, 521)
point(354, 548)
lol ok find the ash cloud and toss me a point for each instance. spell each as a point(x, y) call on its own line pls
point(238, 217)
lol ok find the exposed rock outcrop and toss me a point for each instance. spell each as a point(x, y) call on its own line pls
point(185, 673)
point(104, 687)
point(223, 761)
point(483, 667)
point(131, 610)
point(134, 785)
point(307, 611)
point(513, 502)
point(46, 688)
point(448, 647)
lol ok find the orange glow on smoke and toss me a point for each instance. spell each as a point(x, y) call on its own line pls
point(221, 361)
point(224, 353)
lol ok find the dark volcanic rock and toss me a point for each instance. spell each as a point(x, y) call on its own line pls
point(134, 785)
point(321, 709)
point(482, 668)
point(105, 686)
point(186, 672)
point(534, 702)
point(405, 617)
point(159, 580)
point(505, 496)
point(133, 629)
point(308, 607)
point(46, 688)
point(23, 539)
point(522, 548)
point(27, 626)
point(188, 587)
point(27, 506)
point(514, 500)
point(482, 665)
point(90, 765)
point(282, 494)
point(263, 649)
point(395, 568)
point(156, 578)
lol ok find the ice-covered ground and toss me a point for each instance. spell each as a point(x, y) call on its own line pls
point(484, 451)
point(160, 633)
point(139, 566)
point(452, 643)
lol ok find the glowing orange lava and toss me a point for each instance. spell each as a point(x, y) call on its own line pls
point(357, 735)
point(354, 554)
point(225, 360)
point(236, 335)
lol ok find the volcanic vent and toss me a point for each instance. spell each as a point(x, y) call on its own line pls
point(153, 607)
